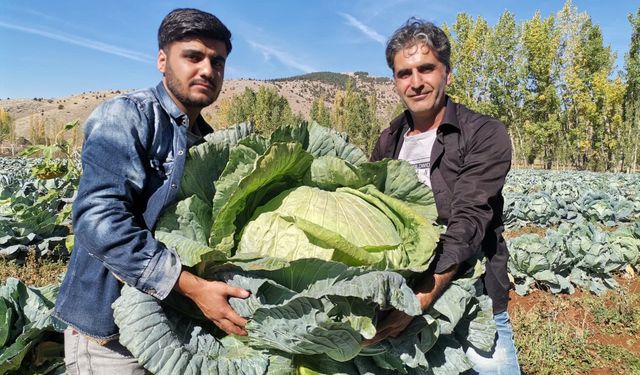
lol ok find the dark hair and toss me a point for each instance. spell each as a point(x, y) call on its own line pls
point(185, 22)
point(416, 31)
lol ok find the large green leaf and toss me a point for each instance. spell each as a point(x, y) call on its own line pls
point(206, 161)
point(27, 312)
point(11, 357)
point(397, 178)
point(166, 342)
point(324, 141)
point(282, 165)
point(6, 316)
point(419, 235)
point(331, 172)
point(309, 222)
point(186, 226)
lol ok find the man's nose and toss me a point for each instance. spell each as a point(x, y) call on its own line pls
point(206, 68)
point(416, 81)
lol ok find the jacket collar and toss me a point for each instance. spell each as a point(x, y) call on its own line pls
point(405, 119)
point(168, 104)
point(172, 109)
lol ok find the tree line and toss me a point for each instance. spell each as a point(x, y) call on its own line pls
point(553, 82)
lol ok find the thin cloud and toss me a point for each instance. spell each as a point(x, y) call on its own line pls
point(366, 30)
point(281, 56)
point(82, 42)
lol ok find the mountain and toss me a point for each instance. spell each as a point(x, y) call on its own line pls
point(300, 91)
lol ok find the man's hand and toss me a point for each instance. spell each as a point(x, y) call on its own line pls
point(391, 326)
point(430, 288)
point(212, 299)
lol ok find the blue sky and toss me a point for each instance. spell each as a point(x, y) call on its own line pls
point(57, 48)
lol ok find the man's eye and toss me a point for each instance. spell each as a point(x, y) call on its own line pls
point(426, 69)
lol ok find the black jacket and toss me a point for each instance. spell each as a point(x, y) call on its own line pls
point(470, 159)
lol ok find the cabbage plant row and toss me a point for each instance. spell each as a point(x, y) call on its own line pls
point(573, 255)
point(547, 198)
point(34, 212)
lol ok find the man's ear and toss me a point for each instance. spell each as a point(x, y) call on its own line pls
point(162, 60)
point(448, 77)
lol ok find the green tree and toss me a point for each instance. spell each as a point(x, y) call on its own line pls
point(506, 79)
point(469, 84)
point(540, 45)
point(355, 114)
point(320, 113)
point(240, 108)
point(631, 100)
point(266, 108)
point(271, 110)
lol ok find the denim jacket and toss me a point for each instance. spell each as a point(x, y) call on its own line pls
point(133, 159)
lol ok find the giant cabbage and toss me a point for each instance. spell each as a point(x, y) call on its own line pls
point(326, 242)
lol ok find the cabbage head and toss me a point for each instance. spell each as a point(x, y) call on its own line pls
point(325, 242)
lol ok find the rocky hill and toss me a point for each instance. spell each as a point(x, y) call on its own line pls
point(300, 91)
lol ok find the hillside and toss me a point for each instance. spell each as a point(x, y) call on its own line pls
point(300, 91)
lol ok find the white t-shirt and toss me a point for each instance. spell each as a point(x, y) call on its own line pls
point(416, 149)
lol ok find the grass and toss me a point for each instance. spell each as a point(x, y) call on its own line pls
point(616, 312)
point(33, 271)
point(578, 334)
point(546, 346)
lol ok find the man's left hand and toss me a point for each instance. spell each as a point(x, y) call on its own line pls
point(391, 326)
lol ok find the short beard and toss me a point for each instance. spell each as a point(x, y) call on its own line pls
point(175, 87)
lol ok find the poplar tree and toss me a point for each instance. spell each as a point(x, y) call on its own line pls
point(632, 97)
point(540, 46)
point(506, 78)
point(320, 113)
point(469, 84)
point(266, 108)
point(354, 113)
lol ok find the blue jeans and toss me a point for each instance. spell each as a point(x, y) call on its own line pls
point(504, 359)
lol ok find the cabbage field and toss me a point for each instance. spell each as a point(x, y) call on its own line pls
point(313, 304)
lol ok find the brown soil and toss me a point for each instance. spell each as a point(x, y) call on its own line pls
point(573, 310)
point(530, 229)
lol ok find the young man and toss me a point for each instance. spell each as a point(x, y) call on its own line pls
point(464, 156)
point(133, 158)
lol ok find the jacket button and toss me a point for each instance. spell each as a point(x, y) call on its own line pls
point(174, 186)
point(151, 291)
point(180, 152)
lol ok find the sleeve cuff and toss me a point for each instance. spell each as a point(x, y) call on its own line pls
point(161, 274)
point(446, 261)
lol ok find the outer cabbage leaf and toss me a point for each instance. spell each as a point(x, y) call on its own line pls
point(324, 141)
point(322, 319)
point(165, 342)
point(207, 161)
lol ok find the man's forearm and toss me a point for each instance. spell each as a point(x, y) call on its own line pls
point(431, 287)
point(187, 282)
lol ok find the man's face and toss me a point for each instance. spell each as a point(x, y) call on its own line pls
point(193, 71)
point(420, 80)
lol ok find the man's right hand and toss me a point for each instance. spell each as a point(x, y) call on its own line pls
point(211, 297)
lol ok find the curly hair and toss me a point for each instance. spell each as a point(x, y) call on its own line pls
point(416, 31)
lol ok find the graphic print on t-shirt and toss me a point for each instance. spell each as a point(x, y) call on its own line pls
point(416, 149)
